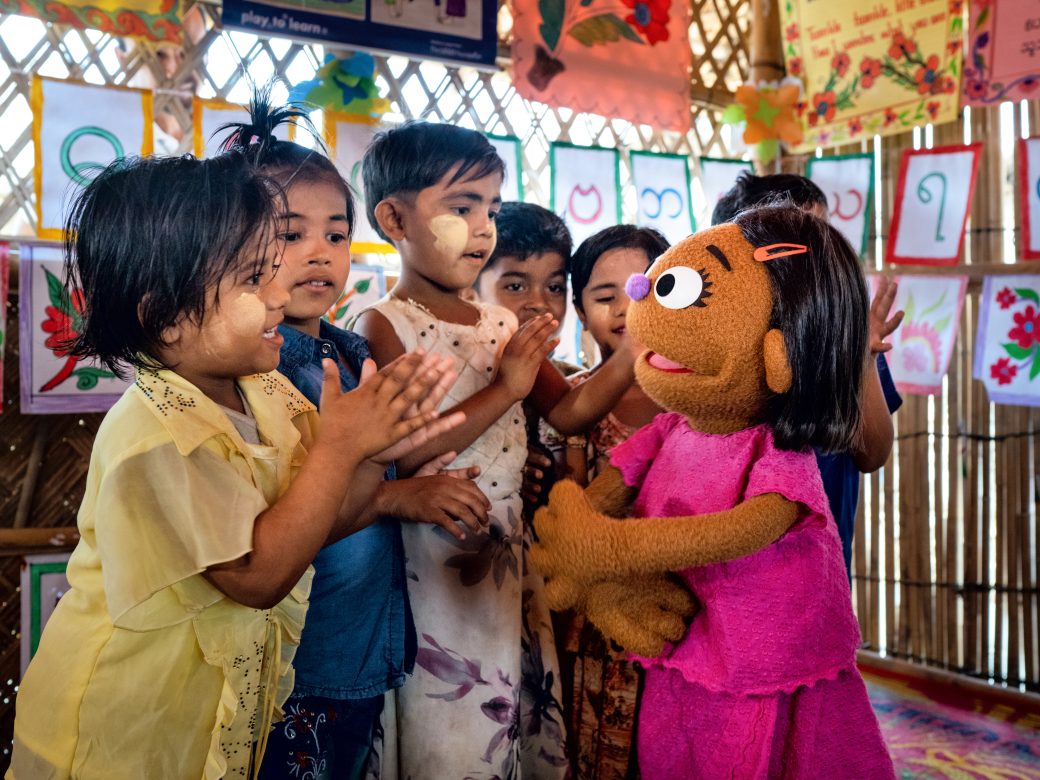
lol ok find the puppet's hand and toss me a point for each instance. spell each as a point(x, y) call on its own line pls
point(640, 613)
point(576, 544)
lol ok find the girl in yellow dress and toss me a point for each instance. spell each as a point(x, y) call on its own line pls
point(170, 655)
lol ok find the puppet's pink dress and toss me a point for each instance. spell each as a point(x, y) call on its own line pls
point(765, 683)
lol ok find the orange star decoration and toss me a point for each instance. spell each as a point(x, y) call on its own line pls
point(769, 117)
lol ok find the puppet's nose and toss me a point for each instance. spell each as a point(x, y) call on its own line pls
point(637, 287)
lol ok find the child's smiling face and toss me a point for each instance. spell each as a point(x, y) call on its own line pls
point(528, 287)
point(604, 301)
point(316, 257)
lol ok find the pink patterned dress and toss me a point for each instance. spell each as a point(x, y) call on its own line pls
point(765, 683)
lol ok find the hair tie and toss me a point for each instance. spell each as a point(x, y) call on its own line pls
point(766, 253)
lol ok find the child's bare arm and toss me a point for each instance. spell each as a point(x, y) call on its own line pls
point(580, 408)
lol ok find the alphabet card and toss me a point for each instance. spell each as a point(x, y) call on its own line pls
point(52, 381)
point(78, 129)
point(848, 182)
point(1007, 345)
point(933, 197)
point(1029, 196)
point(662, 184)
point(508, 148)
point(347, 137)
point(586, 188)
point(718, 176)
point(207, 116)
point(366, 284)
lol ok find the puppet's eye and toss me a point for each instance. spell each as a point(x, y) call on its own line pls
point(680, 287)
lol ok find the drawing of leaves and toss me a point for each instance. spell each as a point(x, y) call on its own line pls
point(605, 28)
point(1017, 352)
point(941, 324)
point(935, 305)
point(1028, 293)
point(552, 12)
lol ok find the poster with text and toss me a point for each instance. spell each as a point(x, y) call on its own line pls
point(462, 31)
point(933, 198)
point(662, 184)
point(1007, 345)
point(207, 116)
point(1029, 196)
point(347, 138)
point(848, 182)
point(586, 188)
point(5, 268)
point(366, 284)
point(52, 381)
point(508, 148)
point(78, 129)
point(923, 344)
point(717, 177)
point(1002, 61)
point(873, 68)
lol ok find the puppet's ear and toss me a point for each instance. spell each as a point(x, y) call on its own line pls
point(778, 367)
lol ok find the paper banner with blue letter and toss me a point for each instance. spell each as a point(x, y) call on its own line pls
point(365, 286)
point(52, 381)
point(1029, 196)
point(508, 148)
point(585, 188)
point(1007, 345)
point(77, 130)
point(933, 198)
point(847, 181)
point(347, 136)
point(207, 116)
point(718, 175)
point(662, 184)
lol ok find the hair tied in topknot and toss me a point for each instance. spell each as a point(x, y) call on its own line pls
point(766, 253)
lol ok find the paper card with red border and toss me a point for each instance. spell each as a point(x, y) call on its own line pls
point(1029, 196)
point(1007, 344)
point(933, 200)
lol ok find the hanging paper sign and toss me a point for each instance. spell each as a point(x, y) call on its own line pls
point(1003, 57)
point(586, 188)
point(933, 197)
point(1007, 345)
point(43, 584)
point(923, 344)
point(628, 60)
point(150, 20)
point(848, 182)
point(5, 268)
point(872, 68)
point(1029, 196)
point(347, 137)
point(508, 148)
point(51, 380)
point(365, 286)
point(78, 129)
point(662, 184)
point(455, 30)
point(208, 116)
point(718, 176)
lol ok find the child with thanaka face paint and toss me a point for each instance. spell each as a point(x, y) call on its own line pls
point(210, 487)
point(474, 706)
point(359, 640)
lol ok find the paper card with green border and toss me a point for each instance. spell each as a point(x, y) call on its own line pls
point(347, 136)
point(207, 116)
point(847, 180)
point(78, 129)
point(5, 266)
point(366, 284)
point(586, 188)
point(43, 584)
point(508, 148)
point(717, 177)
point(662, 184)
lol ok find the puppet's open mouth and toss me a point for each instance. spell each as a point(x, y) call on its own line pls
point(661, 363)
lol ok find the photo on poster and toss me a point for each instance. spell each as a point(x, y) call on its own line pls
point(847, 181)
point(464, 18)
point(662, 183)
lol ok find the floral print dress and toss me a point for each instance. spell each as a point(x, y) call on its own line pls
point(483, 702)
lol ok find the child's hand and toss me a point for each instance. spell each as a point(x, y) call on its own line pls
point(534, 471)
point(386, 406)
point(523, 355)
point(438, 496)
point(880, 327)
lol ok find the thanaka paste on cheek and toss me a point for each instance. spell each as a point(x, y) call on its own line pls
point(243, 316)
point(450, 234)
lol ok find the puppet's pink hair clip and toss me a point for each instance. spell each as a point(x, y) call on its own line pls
point(765, 253)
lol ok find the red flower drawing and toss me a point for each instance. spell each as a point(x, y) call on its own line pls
point(932, 108)
point(1027, 328)
point(1006, 298)
point(953, 46)
point(1029, 84)
point(651, 17)
point(975, 88)
point(956, 6)
point(791, 32)
point(890, 116)
point(901, 46)
point(855, 127)
point(869, 70)
point(794, 66)
point(823, 106)
point(925, 76)
point(63, 323)
point(840, 63)
point(1003, 371)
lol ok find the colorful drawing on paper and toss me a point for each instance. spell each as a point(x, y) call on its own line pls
point(718, 175)
point(923, 344)
point(933, 198)
point(873, 69)
point(1003, 44)
point(43, 584)
point(662, 184)
point(620, 58)
point(347, 137)
point(1029, 196)
point(847, 182)
point(1007, 346)
point(5, 267)
point(151, 20)
point(508, 148)
point(585, 188)
point(52, 381)
point(78, 129)
point(365, 285)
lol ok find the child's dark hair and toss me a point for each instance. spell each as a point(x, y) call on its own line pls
point(820, 304)
point(751, 191)
point(284, 161)
point(149, 237)
point(579, 269)
point(525, 229)
point(417, 155)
